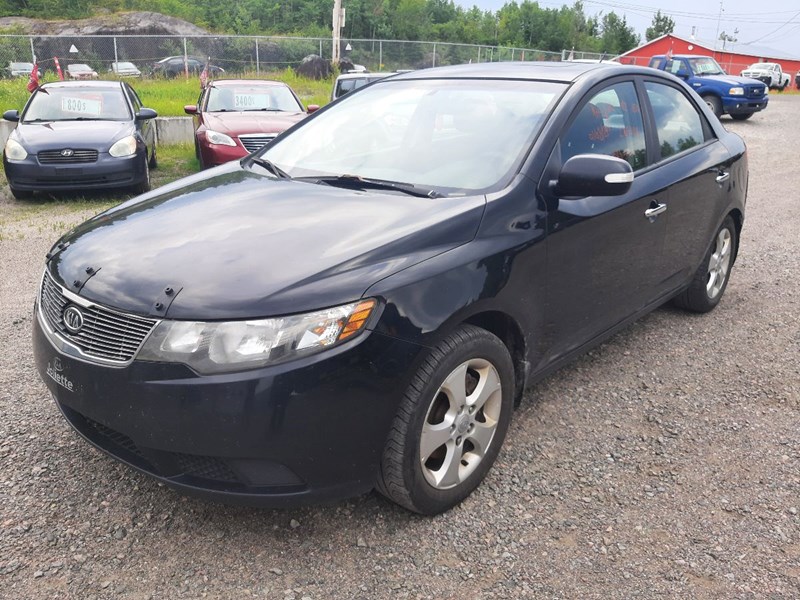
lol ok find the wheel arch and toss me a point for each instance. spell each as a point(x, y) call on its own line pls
point(738, 221)
point(508, 330)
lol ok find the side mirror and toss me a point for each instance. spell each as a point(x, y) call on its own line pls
point(145, 114)
point(312, 108)
point(683, 73)
point(190, 109)
point(594, 175)
point(11, 115)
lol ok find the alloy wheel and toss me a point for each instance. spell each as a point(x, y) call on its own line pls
point(719, 263)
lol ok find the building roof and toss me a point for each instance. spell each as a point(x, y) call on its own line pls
point(730, 48)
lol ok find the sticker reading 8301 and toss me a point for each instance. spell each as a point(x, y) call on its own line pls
point(247, 101)
point(84, 106)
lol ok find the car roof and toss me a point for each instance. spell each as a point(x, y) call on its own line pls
point(363, 75)
point(95, 83)
point(565, 72)
point(233, 82)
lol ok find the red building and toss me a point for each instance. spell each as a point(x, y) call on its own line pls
point(734, 58)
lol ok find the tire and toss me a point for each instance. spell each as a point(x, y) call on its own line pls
point(448, 414)
point(153, 162)
point(21, 194)
point(741, 117)
point(143, 187)
point(714, 104)
point(711, 277)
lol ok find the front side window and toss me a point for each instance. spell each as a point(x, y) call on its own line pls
point(678, 123)
point(609, 123)
point(451, 135)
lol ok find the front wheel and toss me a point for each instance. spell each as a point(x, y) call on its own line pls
point(714, 104)
point(711, 277)
point(451, 423)
point(741, 117)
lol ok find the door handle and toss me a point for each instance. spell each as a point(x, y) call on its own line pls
point(723, 176)
point(652, 213)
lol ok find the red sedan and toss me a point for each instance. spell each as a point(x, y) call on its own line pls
point(235, 117)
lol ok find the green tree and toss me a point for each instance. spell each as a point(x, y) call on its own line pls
point(661, 25)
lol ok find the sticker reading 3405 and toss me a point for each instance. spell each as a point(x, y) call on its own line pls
point(83, 106)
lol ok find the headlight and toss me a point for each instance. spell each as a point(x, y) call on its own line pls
point(209, 347)
point(124, 147)
point(15, 151)
point(215, 137)
point(737, 91)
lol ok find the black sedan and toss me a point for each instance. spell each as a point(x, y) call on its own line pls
point(75, 135)
point(363, 303)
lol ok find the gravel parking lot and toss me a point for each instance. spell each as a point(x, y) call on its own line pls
point(665, 463)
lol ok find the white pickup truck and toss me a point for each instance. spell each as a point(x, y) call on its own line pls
point(769, 73)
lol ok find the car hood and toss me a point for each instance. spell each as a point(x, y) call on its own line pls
point(731, 80)
point(98, 135)
point(237, 123)
point(234, 243)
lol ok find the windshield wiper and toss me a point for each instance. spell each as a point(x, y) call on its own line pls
point(262, 110)
point(357, 181)
point(269, 166)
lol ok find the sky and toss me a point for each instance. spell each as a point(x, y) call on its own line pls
point(767, 23)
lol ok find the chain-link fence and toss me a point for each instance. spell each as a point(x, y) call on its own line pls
point(241, 54)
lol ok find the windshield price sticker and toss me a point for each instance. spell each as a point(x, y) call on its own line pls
point(249, 101)
point(83, 106)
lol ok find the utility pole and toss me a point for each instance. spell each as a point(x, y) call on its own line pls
point(337, 30)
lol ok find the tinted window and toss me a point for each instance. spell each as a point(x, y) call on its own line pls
point(610, 123)
point(678, 123)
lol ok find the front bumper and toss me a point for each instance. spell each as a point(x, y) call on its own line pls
point(310, 430)
point(107, 172)
point(741, 106)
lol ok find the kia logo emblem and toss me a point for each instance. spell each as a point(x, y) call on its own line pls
point(67, 152)
point(73, 319)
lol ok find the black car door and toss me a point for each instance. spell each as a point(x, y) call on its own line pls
point(699, 165)
point(604, 252)
point(146, 127)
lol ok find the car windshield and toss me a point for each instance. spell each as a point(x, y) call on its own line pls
point(252, 97)
point(705, 65)
point(455, 136)
point(77, 104)
point(125, 66)
point(765, 66)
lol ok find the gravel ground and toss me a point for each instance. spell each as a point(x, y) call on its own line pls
point(665, 463)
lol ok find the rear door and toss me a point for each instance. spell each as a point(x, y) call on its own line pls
point(690, 155)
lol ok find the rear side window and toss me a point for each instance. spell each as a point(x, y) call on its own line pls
point(679, 125)
point(609, 123)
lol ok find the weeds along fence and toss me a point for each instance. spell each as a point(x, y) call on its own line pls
point(251, 54)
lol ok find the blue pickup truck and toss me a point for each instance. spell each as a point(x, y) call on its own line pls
point(739, 97)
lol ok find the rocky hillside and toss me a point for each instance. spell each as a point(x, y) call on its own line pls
point(131, 23)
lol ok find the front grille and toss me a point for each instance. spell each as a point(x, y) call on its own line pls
point(115, 437)
point(56, 157)
point(105, 334)
point(204, 467)
point(755, 91)
point(252, 143)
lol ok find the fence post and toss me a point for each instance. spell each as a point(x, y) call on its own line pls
point(258, 62)
point(434, 54)
point(380, 55)
point(320, 48)
point(116, 61)
point(479, 54)
point(33, 53)
point(512, 54)
point(185, 60)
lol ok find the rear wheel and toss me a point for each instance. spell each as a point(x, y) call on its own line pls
point(450, 424)
point(714, 104)
point(711, 277)
point(742, 117)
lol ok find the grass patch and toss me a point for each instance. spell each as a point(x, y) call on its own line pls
point(169, 96)
point(19, 218)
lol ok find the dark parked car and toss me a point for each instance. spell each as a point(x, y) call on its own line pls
point(75, 135)
point(234, 117)
point(172, 66)
point(362, 303)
